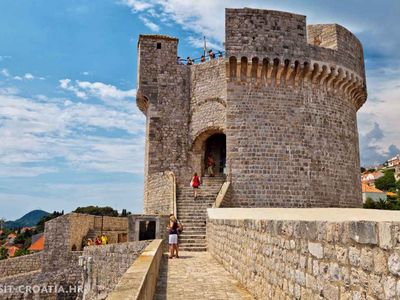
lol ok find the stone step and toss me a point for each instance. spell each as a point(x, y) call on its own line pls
point(192, 220)
point(197, 242)
point(193, 248)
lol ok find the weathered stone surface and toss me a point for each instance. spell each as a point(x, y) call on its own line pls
point(389, 286)
point(316, 249)
point(385, 235)
point(394, 263)
point(346, 270)
point(198, 276)
point(363, 232)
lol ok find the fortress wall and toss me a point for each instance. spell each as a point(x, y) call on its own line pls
point(274, 34)
point(210, 114)
point(338, 47)
point(258, 33)
point(21, 264)
point(160, 192)
point(110, 262)
point(309, 254)
point(292, 147)
point(208, 97)
point(60, 271)
point(208, 81)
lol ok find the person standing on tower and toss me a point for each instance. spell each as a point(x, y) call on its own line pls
point(210, 165)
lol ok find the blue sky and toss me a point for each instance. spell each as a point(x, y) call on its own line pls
point(71, 134)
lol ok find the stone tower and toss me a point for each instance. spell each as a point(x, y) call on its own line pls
point(278, 113)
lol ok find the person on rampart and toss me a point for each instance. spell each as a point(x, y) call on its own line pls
point(104, 239)
point(211, 54)
point(189, 61)
point(203, 59)
point(195, 184)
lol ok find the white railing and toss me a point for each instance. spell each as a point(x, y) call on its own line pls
point(172, 206)
point(221, 194)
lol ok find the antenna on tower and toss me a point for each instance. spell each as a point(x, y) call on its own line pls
point(205, 46)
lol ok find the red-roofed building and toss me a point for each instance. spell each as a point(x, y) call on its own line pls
point(394, 161)
point(372, 192)
point(11, 250)
point(369, 178)
point(37, 243)
point(10, 238)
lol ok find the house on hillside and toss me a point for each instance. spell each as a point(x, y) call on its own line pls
point(397, 172)
point(10, 238)
point(394, 161)
point(372, 192)
point(369, 178)
point(11, 250)
point(37, 243)
point(24, 229)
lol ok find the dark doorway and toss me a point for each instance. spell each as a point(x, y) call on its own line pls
point(147, 230)
point(216, 146)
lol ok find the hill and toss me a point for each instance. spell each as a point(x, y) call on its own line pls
point(28, 220)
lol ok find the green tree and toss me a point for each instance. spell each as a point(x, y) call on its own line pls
point(369, 203)
point(40, 224)
point(386, 182)
point(21, 252)
point(97, 211)
point(3, 253)
point(398, 187)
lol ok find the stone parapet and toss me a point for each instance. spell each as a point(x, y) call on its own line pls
point(309, 253)
point(22, 264)
point(140, 280)
point(105, 265)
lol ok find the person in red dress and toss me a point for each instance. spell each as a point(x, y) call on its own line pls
point(195, 183)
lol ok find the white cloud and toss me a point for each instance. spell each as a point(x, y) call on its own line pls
point(137, 5)
point(4, 57)
point(151, 25)
point(66, 85)
point(5, 72)
point(17, 78)
point(29, 76)
point(41, 130)
point(86, 73)
point(199, 43)
point(109, 94)
point(380, 114)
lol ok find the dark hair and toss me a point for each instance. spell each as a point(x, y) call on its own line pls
point(195, 174)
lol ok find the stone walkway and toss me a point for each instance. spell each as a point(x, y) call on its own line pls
point(196, 275)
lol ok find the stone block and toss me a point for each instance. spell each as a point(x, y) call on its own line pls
point(354, 256)
point(389, 287)
point(394, 263)
point(363, 232)
point(316, 249)
point(386, 240)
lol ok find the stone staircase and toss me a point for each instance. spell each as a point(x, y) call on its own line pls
point(193, 212)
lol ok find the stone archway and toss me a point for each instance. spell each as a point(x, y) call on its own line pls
point(212, 140)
